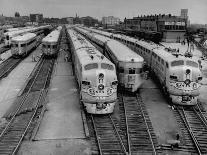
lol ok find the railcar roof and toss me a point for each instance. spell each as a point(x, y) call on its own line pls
point(52, 37)
point(121, 51)
point(24, 37)
point(159, 50)
point(85, 50)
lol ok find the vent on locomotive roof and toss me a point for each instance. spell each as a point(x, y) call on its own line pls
point(91, 51)
point(102, 57)
point(91, 57)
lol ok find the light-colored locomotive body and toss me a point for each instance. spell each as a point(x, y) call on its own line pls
point(128, 63)
point(95, 74)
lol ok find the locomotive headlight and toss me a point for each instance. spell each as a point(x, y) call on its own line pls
point(187, 71)
point(101, 87)
point(101, 76)
point(187, 81)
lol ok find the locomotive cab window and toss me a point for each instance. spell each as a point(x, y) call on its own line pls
point(91, 66)
point(131, 70)
point(191, 63)
point(54, 46)
point(177, 63)
point(107, 66)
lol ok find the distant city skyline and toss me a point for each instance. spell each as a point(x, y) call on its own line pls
point(197, 10)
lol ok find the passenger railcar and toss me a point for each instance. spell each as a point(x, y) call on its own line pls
point(128, 63)
point(179, 76)
point(95, 74)
point(23, 44)
point(50, 44)
point(9, 35)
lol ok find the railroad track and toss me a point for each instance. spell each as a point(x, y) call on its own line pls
point(21, 117)
point(108, 139)
point(194, 127)
point(136, 126)
point(132, 134)
point(4, 49)
point(7, 66)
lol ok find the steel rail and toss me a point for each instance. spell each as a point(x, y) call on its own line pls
point(200, 115)
point(116, 134)
point(34, 113)
point(148, 131)
point(120, 140)
point(97, 138)
point(22, 102)
point(185, 120)
point(127, 126)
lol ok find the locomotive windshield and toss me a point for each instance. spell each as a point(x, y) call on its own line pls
point(191, 63)
point(177, 63)
point(91, 66)
point(107, 66)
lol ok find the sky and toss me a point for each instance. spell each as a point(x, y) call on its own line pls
point(197, 9)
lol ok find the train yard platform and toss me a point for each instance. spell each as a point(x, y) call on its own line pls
point(63, 117)
point(61, 130)
point(11, 85)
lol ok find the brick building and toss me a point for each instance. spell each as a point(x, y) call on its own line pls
point(172, 28)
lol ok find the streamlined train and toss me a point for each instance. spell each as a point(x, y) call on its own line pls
point(9, 35)
point(96, 76)
point(51, 43)
point(23, 44)
point(128, 63)
point(178, 75)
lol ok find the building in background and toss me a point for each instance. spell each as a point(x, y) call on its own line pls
point(70, 20)
point(36, 18)
point(184, 15)
point(110, 21)
point(88, 21)
point(172, 28)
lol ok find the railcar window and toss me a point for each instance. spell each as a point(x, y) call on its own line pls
point(54, 46)
point(107, 66)
point(44, 46)
point(191, 63)
point(155, 56)
point(121, 70)
point(91, 66)
point(158, 58)
point(138, 70)
point(167, 65)
point(7, 37)
point(131, 70)
point(22, 45)
point(162, 61)
point(177, 63)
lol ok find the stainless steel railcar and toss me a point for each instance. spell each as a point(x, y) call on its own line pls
point(50, 44)
point(179, 76)
point(95, 74)
point(23, 44)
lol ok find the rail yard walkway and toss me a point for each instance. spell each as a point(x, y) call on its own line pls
point(14, 82)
